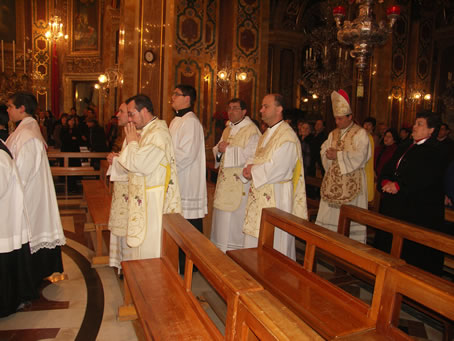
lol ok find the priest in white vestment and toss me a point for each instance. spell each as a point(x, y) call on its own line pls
point(118, 217)
point(152, 181)
point(344, 156)
point(277, 177)
point(189, 144)
point(16, 284)
point(237, 145)
point(28, 148)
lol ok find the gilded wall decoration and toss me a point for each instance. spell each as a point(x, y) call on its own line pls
point(190, 27)
point(210, 28)
point(399, 48)
point(83, 65)
point(425, 48)
point(247, 39)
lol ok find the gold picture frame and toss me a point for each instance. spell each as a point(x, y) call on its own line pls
point(85, 17)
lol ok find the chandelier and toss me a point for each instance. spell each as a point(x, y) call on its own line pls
point(326, 64)
point(364, 33)
point(55, 30)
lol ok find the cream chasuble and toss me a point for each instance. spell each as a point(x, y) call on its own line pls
point(277, 181)
point(152, 188)
point(345, 178)
point(230, 197)
point(118, 217)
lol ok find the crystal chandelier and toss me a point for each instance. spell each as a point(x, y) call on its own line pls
point(364, 33)
point(326, 65)
point(55, 30)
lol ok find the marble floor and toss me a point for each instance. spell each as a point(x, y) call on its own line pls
point(83, 306)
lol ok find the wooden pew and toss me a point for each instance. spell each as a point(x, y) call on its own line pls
point(162, 299)
point(325, 307)
point(407, 281)
point(261, 316)
point(98, 198)
point(66, 170)
point(400, 231)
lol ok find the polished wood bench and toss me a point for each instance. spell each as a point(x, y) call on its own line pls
point(65, 170)
point(328, 309)
point(400, 231)
point(412, 283)
point(163, 300)
point(97, 196)
point(261, 316)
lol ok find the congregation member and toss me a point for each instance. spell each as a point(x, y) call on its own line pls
point(237, 145)
point(305, 136)
point(405, 136)
point(344, 155)
point(96, 139)
point(385, 150)
point(152, 183)
point(320, 135)
point(369, 125)
point(445, 144)
point(28, 149)
point(189, 144)
point(412, 186)
point(16, 285)
point(276, 175)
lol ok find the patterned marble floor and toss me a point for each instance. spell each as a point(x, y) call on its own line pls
point(81, 307)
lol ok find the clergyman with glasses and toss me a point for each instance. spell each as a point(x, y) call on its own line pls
point(189, 143)
point(237, 145)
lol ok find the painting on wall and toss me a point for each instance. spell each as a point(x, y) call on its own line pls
point(7, 20)
point(85, 26)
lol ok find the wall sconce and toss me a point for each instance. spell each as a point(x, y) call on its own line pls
point(224, 77)
point(111, 78)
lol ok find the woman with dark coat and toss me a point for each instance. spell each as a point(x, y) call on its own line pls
point(385, 150)
point(412, 187)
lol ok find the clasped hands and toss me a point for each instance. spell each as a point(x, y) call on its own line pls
point(331, 153)
point(390, 187)
point(247, 172)
point(131, 133)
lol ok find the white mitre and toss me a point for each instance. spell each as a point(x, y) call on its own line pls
point(341, 103)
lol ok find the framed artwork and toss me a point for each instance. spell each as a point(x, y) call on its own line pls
point(7, 20)
point(85, 27)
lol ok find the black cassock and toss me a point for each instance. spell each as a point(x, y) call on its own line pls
point(420, 200)
point(16, 278)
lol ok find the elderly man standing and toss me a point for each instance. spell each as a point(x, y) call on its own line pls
point(277, 177)
point(344, 155)
point(237, 145)
point(152, 182)
point(28, 148)
point(189, 143)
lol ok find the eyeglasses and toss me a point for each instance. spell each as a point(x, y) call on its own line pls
point(176, 94)
point(234, 109)
point(132, 113)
